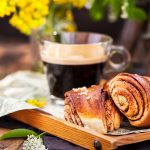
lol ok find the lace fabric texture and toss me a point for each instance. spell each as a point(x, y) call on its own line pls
point(16, 88)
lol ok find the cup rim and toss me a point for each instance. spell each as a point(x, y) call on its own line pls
point(109, 41)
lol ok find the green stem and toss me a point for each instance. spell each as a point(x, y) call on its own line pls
point(50, 18)
point(38, 136)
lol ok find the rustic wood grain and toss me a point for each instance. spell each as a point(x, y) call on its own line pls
point(10, 144)
point(15, 56)
point(73, 133)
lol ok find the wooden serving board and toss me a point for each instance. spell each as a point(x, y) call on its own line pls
point(75, 134)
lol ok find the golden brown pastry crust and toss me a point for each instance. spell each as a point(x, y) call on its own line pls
point(93, 108)
point(112, 115)
point(131, 94)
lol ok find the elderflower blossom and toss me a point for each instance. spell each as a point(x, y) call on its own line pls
point(124, 7)
point(33, 143)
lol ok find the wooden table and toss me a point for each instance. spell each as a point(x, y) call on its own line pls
point(16, 55)
point(11, 144)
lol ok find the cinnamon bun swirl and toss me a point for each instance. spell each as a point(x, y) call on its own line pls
point(131, 94)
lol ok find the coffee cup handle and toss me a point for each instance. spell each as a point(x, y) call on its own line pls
point(115, 66)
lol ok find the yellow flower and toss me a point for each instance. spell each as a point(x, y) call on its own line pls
point(7, 7)
point(70, 27)
point(22, 3)
point(28, 15)
point(75, 3)
point(31, 15)
point(69, 15)
point(17, 22)
point(79, 3)
point(61, 1)
point(37, 102)
point(13, 2)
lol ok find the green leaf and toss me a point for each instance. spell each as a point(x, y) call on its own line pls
point(135, 13)
point(17, 133)
point(132, 2)
point(116, 6)
point(97, 10)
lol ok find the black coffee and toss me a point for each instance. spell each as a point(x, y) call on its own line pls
point(72, 64)
point(62, 78)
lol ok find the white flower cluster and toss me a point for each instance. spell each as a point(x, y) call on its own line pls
point(33, 143)
point(124, 7)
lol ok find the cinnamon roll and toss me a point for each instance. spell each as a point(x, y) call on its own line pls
point(92, 108)
point(131, 94)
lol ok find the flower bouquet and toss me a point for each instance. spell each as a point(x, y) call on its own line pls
point(57, 15)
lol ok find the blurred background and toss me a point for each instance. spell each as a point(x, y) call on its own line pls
point(127, 21)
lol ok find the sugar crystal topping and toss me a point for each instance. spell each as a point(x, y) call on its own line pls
point(79, 89)
point(82, 92)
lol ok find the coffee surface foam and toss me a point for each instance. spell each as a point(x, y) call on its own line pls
point(73, 54)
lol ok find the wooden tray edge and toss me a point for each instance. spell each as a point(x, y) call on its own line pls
point(64, 130)
point(73, 133)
